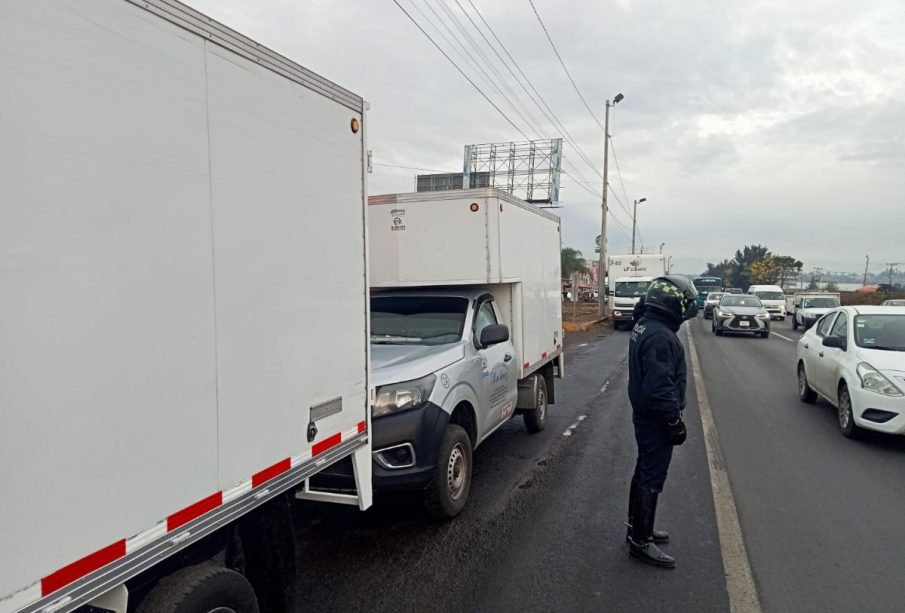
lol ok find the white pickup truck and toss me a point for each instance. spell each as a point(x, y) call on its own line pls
point(466, 332)
point(808, 307)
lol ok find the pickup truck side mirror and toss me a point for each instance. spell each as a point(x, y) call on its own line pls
point(835, 342)
point(494, 335)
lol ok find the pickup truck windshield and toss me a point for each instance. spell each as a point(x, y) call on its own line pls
point(417, 320)
point(769, 295)
point(819, 303)
point(885, 332)
point(631, 289)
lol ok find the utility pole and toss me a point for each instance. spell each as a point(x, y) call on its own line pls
point(635, 221)
point(661, 247)
point(866, 264)
point(892, 270)
point(602, 309)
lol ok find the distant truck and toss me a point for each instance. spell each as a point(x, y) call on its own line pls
point(808, 307)
point(184, 307)
point(628, 278)
point(466, 332)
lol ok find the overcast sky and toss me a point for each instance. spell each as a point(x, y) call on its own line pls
point(779, 123)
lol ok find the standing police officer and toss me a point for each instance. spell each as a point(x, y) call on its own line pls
point(656, 388)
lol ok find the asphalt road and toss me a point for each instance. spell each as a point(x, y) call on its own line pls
point(543, 529)
point(822, 516)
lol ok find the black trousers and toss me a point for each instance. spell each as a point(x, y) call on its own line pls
point(654, 455)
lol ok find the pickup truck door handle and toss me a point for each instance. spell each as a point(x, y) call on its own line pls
point(507, 358)
point(821, 354)
point(807, 346)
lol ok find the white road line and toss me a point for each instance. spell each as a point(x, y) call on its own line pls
point(785, 338)
point(739, 578)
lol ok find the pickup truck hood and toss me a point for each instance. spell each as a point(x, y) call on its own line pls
point(398, 363)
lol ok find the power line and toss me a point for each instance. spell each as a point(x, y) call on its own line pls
point(551, 117)
point(409, 167)
point(559, 57)
point(456, 66)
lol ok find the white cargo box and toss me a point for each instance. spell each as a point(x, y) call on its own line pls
point(171, 192)
point(481, 237)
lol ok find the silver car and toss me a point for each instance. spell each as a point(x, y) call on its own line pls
point(742, 314)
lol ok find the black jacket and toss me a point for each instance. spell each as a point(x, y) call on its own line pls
point(657, 372)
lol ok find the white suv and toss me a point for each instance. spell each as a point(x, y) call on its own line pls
point(772, 298)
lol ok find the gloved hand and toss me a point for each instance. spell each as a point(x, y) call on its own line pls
point(677, 431)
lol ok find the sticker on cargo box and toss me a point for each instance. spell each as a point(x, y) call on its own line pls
point(398, 216)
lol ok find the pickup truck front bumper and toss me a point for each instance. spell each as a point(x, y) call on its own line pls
point(406, 446)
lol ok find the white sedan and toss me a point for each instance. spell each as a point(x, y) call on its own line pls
point(854, 357)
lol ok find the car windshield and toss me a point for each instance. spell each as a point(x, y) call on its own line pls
point(825, 302)
point(417, 320)
point(894, 303)
point(733, 290)
point(770, 295)
point(714, 296)
point(631, 289)
point(740, 301)
point(886, 332)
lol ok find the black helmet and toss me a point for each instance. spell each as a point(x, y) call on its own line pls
point(673, 296)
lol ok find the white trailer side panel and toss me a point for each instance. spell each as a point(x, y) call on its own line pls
point(288, 238)
point(530, 253)
point(107, 368)
point(166, 213)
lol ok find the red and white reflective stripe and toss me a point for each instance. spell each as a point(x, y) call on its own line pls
point(543, 356)
point(83, 567)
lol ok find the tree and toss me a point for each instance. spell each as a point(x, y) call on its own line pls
point(571, 262)
point(832, 287)
point(814, 283)
point(788, 267)
point(744, 257)
point(763, 271)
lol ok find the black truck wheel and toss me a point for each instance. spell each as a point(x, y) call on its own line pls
point(447, 494)
point(201, 589)
point(536, 419)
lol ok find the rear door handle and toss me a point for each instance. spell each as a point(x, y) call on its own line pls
point(507, 358)
point(821, 354)
point(806, 346)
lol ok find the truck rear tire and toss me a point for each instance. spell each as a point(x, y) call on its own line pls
point(199, 589)
point(536, 419)
point(447, 494)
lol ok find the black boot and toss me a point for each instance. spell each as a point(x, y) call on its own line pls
point(660, 537)
point(641, 542)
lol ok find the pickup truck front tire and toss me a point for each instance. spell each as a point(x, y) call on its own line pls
point(536, 419)
point(447, 493)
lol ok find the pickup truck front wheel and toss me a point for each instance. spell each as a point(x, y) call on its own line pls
point(536, 419)
point(446, 495)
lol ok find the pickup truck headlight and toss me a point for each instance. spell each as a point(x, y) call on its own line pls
point(401, 396)
point(873, 380)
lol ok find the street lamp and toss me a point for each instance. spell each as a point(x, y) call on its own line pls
point(661, 247)
point(635, 221)
point(601, 267)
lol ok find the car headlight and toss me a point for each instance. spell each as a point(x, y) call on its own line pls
point(726, 315)
point(873, 380)
point(401, 396)
point(763, 315)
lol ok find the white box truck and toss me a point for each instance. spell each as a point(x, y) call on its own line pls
point(177, 358)
point(466, 332)
point(627, 279)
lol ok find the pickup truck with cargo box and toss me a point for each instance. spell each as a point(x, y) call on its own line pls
point(174, 367)
point(466, 332)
